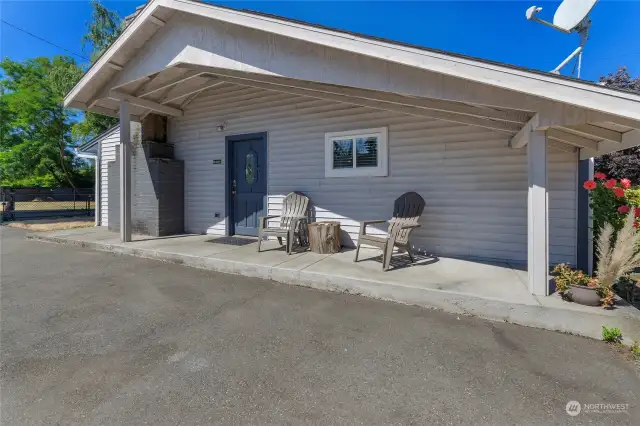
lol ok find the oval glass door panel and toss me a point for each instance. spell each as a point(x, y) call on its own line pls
point(250, 167)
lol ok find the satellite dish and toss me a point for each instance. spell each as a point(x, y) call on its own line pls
point(571, 16)
point(571, 13)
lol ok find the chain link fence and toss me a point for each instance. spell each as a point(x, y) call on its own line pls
point(36, 203)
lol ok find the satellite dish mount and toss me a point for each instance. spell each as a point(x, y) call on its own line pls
point(572, 16)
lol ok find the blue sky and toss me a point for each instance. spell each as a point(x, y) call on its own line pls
point(492, 30)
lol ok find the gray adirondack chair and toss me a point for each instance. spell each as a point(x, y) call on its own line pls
point(293, 221)
point(407, 210)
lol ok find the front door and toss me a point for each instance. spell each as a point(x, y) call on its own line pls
point(248, 180)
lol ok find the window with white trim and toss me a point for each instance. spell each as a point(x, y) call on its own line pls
point(356, 153)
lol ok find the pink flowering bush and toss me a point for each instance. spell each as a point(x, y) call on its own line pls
point(611, 200)
point(618, 204)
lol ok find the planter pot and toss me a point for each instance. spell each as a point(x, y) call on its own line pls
point(584, 295)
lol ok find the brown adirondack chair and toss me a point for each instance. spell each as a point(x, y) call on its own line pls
point(293, 221)
point(407, 210)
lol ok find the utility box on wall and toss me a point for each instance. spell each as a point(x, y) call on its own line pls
point(157, 184)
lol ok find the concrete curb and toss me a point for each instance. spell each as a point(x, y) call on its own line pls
point(583, 323)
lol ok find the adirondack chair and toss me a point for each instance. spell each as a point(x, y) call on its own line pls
point(293, 221)
point(407, 210)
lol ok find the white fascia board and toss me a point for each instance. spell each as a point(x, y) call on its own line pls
point(86, 155)
point(588, 96)
point(111, 51)
point(598, 98)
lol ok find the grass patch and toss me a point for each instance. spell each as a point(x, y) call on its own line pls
point(24, 206)
point(52, 224)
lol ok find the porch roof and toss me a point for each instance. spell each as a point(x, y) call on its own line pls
point(576, 114)
point(92, 145)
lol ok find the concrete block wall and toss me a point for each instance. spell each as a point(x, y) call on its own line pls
point(157, 192)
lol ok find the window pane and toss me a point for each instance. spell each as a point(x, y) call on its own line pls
point(367, 152)
point(343, 154)
point(250, 167)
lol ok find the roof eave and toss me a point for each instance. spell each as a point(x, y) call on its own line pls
point(103, 60)
point(96, 139)
point(474, 69)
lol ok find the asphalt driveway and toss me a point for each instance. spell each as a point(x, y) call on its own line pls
point(96, 338)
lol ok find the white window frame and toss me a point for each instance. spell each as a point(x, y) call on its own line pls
point(382, 169)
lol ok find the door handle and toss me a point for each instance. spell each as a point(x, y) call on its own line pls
point(233, 188)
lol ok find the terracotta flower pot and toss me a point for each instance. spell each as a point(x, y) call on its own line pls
point(584, 295)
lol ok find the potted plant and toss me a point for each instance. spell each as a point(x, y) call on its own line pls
point(577, 286)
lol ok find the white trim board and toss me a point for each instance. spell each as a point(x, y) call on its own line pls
point(382, 168)
point(564, 90)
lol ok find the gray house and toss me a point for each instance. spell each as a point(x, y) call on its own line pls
point(258, 106)
point(102, 149)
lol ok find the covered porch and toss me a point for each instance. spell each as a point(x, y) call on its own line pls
point(174, 52)
point(405, 281)
point(492, 290)
point(523, 129)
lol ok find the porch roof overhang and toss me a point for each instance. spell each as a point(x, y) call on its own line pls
point(574, 114)
point(92, 146)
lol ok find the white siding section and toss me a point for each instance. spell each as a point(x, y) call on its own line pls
point(107, 154)
point(474, 185)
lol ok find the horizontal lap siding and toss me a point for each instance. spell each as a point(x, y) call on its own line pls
point(563, 206)
point(108, 153)
point(474, 185)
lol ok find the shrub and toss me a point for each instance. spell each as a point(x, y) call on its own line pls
point(611, 335)
point(633, 196)
point(625, 287)
point(635, 351)
point(611, 200)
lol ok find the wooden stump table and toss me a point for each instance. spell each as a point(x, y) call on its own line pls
point(324, 237)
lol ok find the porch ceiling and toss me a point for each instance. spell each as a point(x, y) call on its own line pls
point(169, 91)
point(174, 87)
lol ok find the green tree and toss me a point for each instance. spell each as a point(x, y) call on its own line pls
point(626, 163)
point(35, 130)
point(103, 28)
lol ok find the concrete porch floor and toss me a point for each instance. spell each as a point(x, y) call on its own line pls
point(492, 290)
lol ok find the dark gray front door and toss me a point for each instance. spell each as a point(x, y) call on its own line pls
point(248, 181)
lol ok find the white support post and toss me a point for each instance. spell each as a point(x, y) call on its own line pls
point(125, 172)
point(538, 216)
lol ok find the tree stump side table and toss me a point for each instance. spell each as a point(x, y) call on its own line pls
point(324, 237)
